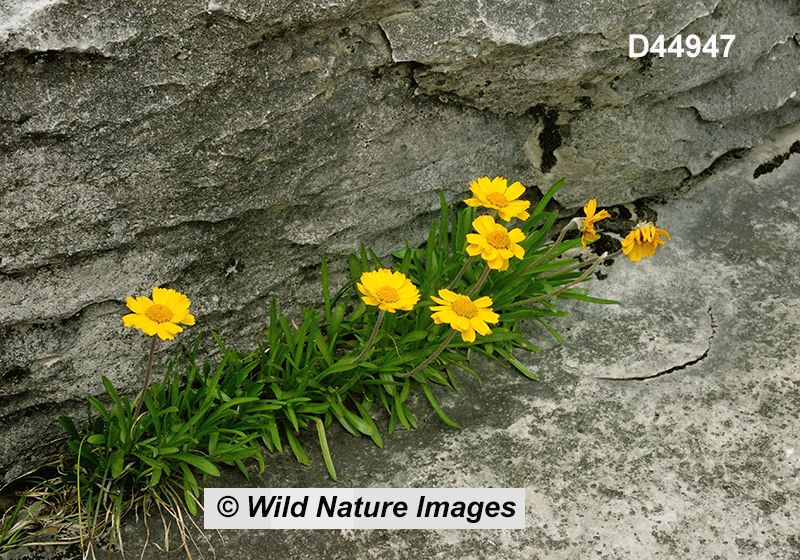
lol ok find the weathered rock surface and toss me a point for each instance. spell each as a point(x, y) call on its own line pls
point(697, 456)
point(222, 147)
point(619, 127)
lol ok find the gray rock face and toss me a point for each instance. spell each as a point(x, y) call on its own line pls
point(222, 148)
point(618, 128)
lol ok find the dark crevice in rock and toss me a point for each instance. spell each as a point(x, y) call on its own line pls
point(66, 57)
point(11, 378)
point(413, 68)
point(689, 182)
point(550, 136)
point(777, 161)
point(682, 367)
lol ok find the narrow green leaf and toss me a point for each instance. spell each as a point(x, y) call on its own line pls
point(289, 410)
point(117, 464)
point(571, 295)
point(413, 336)
point(364, 259)
point(373, 429)
point(517, 364)
point(443, 226)
point(272, 429)
point(375, 259)
point(111, 391)
point(200, 463)
point(322, 345)
point(436, 407)
point(297, 449)
point(326, 294)
point(355, 267)
point(69, 427)
point(323, 444)
point(552, 331)
point(547, 196)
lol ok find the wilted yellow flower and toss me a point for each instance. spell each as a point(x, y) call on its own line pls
point(463, 314)
point(388, 290)
point(642, 241)
point(494, 243)
point(159, 315)
point(588, 222)
point(496, 195)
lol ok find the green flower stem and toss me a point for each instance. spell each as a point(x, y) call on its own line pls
point(146, 377)
point(461, 272)
point(578, 280)
point(544, 257)
point(577, 266)
point(378, 321)
point(481, 280)
point(431, 358)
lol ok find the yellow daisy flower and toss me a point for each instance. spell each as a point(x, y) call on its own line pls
point(463, 314)
point(496, 195)
point(642, 241)
point(159, 315)
point(494, 243)
point(588, 222)
point(388, 290)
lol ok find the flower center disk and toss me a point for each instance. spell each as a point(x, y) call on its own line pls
point(387, 294)
point(159, 313)
point(464, 307)
point(498, 199)
point(499, 240)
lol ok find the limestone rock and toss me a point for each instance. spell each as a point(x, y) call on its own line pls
point(223, 147)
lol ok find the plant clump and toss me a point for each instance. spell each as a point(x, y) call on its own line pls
point(388, 331)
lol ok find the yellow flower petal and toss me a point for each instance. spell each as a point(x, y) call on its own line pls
point(463, 314)
point(495, 194)
point(388, 290)
point(643, 241)
point(159, 315)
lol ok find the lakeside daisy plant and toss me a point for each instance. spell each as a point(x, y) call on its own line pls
point(157, 316)
point(388, 330)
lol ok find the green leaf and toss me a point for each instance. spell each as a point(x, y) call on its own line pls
point(552, 331)
point(517, 364)
point(364, 259)
point(117, 464)
point(443, 226)
point(413, 336)
point(373, 429)
point(355, 267)
point(111, 391)
point(191, 501)
point(99, 407)
point(326, 294)
point(292, 417)
point(436, 407)
point(581, 297)
point(322, 345)
point(547, 196)
point(156, 476)
point(200, 463)
point(297, 449)
point(375, 259)
point(323, 444)
point(69, 427)
point(96, 439)
point(336, 322)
